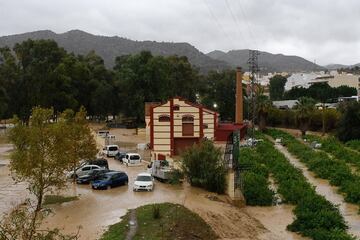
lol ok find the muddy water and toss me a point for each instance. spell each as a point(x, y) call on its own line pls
point(11, 194)
point(97, 209)
point(323, 187)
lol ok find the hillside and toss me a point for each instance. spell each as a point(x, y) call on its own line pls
point(338, 66)
point(268, 62)
point(108, 48)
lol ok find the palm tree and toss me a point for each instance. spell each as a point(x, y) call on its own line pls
point(304, 109)
point(263, 107)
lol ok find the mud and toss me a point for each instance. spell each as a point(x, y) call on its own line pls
point(323, 187)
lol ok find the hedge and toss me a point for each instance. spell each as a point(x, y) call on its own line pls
point(335, 170)
point(316, 217)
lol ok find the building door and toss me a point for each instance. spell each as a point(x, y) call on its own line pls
point(180, 144)
point(188, 126)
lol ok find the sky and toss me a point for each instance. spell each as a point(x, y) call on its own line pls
point(324, 31)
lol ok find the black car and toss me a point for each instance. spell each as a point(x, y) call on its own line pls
point(120, 155)
point(92, 176)
point(101, 162)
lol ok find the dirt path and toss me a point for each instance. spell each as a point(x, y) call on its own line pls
point(323, 187)
point(133, 225)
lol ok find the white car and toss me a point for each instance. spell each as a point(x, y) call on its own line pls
point(111, 150)
point(144, 181)
point(132, 159)
point(84, 170)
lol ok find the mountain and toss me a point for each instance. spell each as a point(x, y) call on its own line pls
point(109, 48)
point(268, 62)
point(338, 66)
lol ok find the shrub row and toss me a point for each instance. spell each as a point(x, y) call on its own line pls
point(354, 145)
point(315, 216)
point(337, 149)
point(287, 118)
point(255, 180)
point(335, 170)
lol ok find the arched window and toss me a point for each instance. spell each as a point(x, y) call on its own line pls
point(164, 118)
point(188, 125)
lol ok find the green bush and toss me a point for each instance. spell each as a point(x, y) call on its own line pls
point(354, 145)
point(315, 216)
point(202, 164)
point(335, 170)
point(176, 176)
point(255, 180)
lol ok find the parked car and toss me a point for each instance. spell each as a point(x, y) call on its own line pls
point(144, 181)
point(119, 156)
point(132, 159)
point(101, 162)
point(110, 150)
point(103, 133)
point(160, 170)
point(83, 170)
point(93, 175)
point(110, 179)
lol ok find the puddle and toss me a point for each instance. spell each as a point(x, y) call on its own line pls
point(323, 187)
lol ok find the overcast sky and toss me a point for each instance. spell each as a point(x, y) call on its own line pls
point(325, 31)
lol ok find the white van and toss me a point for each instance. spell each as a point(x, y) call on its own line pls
point(132, 159)
point(103, 133)
point(111, 150)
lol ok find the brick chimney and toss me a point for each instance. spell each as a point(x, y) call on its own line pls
point(239, 97)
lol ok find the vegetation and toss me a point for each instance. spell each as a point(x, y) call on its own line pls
point(58, 199)
point(304, 108)
point(277, 87)
point(174, 222)
point(354, 144)
point(334, 147)
point(263, 106)
point(349, 124)
point(336, 171)
point(255, 180)
point(203, 166)
point(321, 92)
point(42, 153)
point(315, 216)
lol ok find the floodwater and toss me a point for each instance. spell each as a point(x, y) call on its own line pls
point(97, 209)
point(323, 187)
point(11, 194)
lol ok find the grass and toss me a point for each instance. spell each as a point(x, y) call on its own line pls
point(175, 222)
point(58, 199)
point(354, 145)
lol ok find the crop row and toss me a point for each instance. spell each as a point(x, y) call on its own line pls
point(354, 144)
point(255, 180)
point(315, 216)
point(335, 170)
point(337, 149)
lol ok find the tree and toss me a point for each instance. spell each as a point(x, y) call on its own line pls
point(263, 106)
point(81, 143)
point(203, 166)
point(304, 109)
point(42, 152)
point(277, 87)
point(349, 124)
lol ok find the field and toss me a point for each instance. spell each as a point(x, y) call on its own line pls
point(316, 217)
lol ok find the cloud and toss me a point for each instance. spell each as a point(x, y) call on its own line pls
point(324, 30)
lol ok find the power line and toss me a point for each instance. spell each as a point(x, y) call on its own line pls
point(215, 19)
point(238, 27)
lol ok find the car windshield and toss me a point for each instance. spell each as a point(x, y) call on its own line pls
point(113, 148)
point(134, 157)
point(143, 178)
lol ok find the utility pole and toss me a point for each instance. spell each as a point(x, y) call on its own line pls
point(253, 69)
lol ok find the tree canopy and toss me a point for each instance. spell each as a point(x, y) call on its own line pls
point(277, 87)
